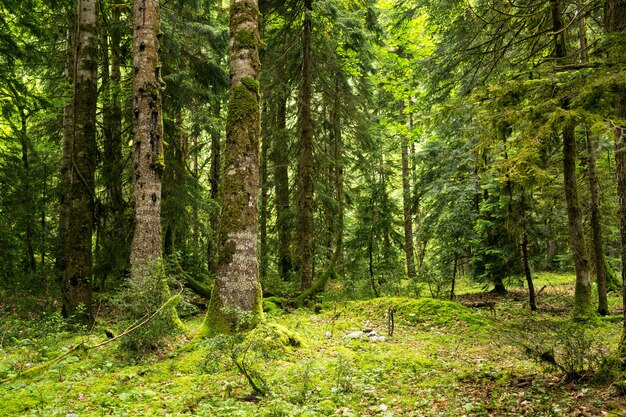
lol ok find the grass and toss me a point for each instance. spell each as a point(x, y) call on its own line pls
point(443, 359)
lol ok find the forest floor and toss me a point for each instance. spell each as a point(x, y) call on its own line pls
point(443, 359)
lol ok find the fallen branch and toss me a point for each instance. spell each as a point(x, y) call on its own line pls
point(84, 347)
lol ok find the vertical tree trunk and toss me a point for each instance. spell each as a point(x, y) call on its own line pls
point(280, 156)
point(406, 202)
point(338, 174)
point(454, 272)
point(76, 286)
point(305, 169)
point(524, 246)
point(596, 227)
point(30, 265)
point(68, 140)
point(583, 307)
point(148, 154)
point(615, 22)
point(263, 250)
point(214, 181)
point(236, 300)
point(114, 245)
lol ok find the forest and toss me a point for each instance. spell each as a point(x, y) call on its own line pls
point(313, 208)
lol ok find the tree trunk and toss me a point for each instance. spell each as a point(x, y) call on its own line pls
point(76, 287)
point(146, 258)
point(30, 265)
point(114, 251)
point(236, 301)
point(280, 156)
point(214, 180)
point(524, 245)
point(615, 22)
point(68, 140)
point(305, 169)
point(406, 202)
point(263, 250)
point(583, 306)
point(596, 227)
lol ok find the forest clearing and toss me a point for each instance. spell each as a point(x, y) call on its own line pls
point(443, 359)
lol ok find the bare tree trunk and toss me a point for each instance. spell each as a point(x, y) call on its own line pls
point(76, 287)
point(236, 300)
point(305, 169)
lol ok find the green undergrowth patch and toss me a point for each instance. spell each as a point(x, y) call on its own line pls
point(423, 311)
point(443, 359)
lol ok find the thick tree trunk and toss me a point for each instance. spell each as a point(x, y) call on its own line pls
point(146, 267)
point(280, 156)
point(236, 301)
point(596, 227)
point(305, 168)
point(406, 202)
point(76, 287)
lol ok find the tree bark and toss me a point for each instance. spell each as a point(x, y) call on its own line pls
point(406, 202)
point(76, 286)
point(305, 169)
point(280, 156)
point(214, 180)
point(263, 250)
point(66, 147)
point(583, 306)
point(596, 227)
point(236, 301)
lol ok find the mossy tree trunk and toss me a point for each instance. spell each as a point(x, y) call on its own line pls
point(148, 159)
point(264, 200)
point(76, 286)
point(615, 22)
point(305, 168)
point(236, 300)
point(583, 306)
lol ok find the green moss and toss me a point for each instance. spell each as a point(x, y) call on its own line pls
point(242, 105)
point(251, 84)
point(246, 39)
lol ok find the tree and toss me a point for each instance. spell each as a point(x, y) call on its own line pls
point(236, 299)
point(81, 159)
point(146, 267)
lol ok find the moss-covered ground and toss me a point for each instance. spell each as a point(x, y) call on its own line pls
point(443, 359)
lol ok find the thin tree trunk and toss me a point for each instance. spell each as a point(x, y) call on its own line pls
point(596, 227)
point(76, 286)
point(305, 169)
point(68, 140)
point(30, 265)
point(406, 202)
point(582, 294)
point(263, 209)
point(236, 300)
point(338, 171)
point(454, 272)
point(214, 180)
point(280, 156)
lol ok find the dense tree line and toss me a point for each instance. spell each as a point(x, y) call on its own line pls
point(277, 146)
